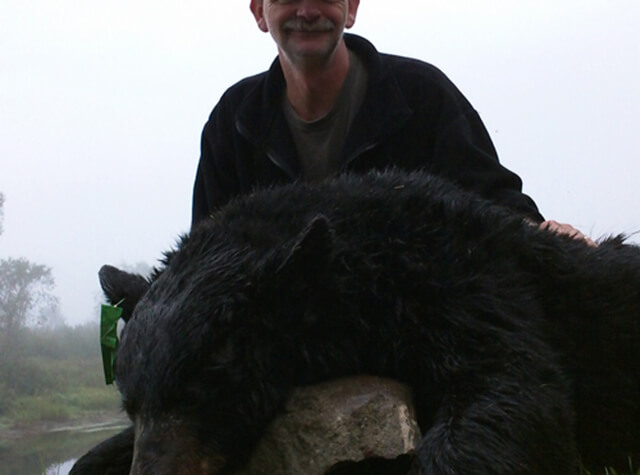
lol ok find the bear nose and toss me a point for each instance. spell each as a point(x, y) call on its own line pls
point(169, 448)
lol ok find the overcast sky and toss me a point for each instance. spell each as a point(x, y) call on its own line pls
point(102, 105)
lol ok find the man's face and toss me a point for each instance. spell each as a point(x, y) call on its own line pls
point(305, 31)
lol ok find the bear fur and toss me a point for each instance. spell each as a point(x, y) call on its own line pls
point(522, 346)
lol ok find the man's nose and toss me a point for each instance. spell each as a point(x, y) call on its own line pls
point(308, 9)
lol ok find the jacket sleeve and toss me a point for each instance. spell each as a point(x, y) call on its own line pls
point(216, 178)
point(465, 153)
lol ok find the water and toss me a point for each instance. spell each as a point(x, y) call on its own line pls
point(53, 452)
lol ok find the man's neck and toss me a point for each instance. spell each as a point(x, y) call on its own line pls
point(313, 89)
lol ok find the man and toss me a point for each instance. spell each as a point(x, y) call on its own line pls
point(331, 103)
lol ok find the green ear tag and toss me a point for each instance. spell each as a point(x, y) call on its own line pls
point(109, 317)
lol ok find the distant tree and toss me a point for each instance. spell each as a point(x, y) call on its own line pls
point(51, 317)
point(25, 296)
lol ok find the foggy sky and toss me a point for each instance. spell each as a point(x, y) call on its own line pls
point(102, 105)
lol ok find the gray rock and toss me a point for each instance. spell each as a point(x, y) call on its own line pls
point(350, 419)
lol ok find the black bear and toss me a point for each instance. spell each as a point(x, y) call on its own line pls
point(522, 347)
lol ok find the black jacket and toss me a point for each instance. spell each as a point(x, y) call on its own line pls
point(412, 117)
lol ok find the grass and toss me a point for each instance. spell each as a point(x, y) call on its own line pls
point(51, 407)
point(56, 377)
point(78, 404)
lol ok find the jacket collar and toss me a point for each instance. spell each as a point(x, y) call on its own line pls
point(384, 109)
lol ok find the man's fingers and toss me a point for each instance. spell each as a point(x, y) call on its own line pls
point(566, 229)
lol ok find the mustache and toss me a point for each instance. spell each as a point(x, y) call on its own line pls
point(300, 24)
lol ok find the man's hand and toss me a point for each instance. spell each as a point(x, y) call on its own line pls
point(562, 228)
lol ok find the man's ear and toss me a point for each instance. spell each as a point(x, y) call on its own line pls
point(122, 288)
point(257, 9)
point(351, 14)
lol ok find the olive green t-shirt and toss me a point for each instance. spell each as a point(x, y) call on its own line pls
point(319, 142)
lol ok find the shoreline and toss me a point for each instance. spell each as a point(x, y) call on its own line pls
point(87, 423)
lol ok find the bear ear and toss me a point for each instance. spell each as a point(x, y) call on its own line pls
point(311, 253)
point(122, 288)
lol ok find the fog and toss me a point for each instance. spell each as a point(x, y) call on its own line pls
point(102, 105)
